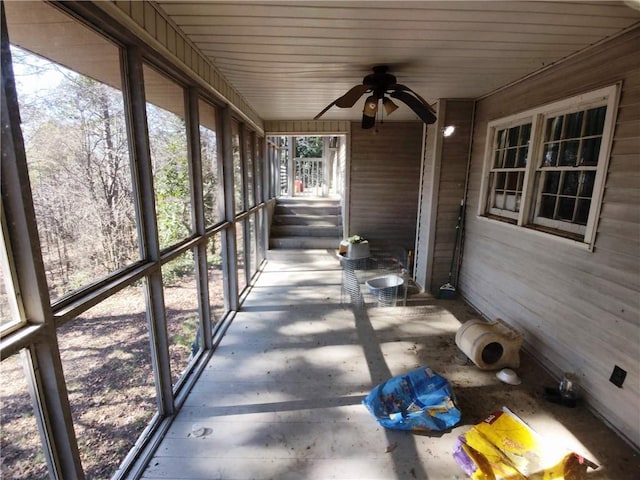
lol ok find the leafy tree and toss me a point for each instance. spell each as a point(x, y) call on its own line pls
point(79, 165)
point(238, 179)
point(209, 156)
point(168, 141)
point(308, 147)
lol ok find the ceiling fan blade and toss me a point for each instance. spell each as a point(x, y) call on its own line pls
point(324, 110)
point(349, 99)
point(404, 88)
point(369, 111)
point(422, 109)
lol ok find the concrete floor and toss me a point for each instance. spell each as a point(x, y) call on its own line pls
point(281, 396)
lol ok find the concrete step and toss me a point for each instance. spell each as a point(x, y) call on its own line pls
point(311, 230)
point(306, 209)
point(306, 223)
point(308, 201)
point(307, 242)
point(315, 220)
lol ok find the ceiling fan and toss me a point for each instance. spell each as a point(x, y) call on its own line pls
point(382, 85)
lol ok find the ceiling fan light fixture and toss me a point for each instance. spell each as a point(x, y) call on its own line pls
point(389, 106)
point(369, 112)
point(370, 106)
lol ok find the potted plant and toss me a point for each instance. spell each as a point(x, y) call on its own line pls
point(358, 247)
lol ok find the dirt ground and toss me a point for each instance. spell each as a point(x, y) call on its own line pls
point(107, 366)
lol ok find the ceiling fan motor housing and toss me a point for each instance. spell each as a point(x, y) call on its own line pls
point(379, 80)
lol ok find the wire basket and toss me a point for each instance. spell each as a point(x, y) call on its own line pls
point(385, 289)
point(351, 280)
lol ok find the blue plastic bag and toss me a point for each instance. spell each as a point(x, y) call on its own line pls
point(420, 400)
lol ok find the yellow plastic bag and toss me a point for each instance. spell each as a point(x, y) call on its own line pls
point(504, 447)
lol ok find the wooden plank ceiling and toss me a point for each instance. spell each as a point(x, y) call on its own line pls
point(291, 59)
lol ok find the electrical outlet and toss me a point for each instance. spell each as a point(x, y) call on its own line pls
point(617, 376)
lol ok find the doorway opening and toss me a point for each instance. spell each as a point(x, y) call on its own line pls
point(311, 166)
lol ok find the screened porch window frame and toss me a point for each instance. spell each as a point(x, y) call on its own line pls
point(528, 217)
point(60, 444)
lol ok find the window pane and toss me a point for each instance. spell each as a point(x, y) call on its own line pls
point(554, 129)
point(491, 191)
point(499, 159)
point(547, 206)
point(498, 200)
point(590, 151)
point(497, 183)
point(512, 181)
point(551, 182)
point(510, 160)
point(510, 202)
point(6, 312)
point(518, 201)
point(587, 185)
point(253, 250)
point(522, 157)
point(106, 359)
point(241, 263)
point(502, 138)
point(216, 279)
point(238, 181)
point(574, 125)
point(261, 238)
point(250, 186)
point(514, 134)
point(74, 128)
point(20, 444)
point(520, 181)
point(169, 159)
point(565, 208)
point(209, 159)
point(258, 159)
point(570, 183)
point(582, 212)
point(10, 313)
point(525, 134)
point(181, 310)
point(550, 158)
point(595, 121)
point(569, 155)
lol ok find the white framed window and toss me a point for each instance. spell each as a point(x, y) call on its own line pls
point(508, 169)
point(545, 168)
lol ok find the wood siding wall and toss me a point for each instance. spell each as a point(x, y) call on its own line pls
point(579, 310)
point(301, 127)
point(442, 190)
point(451, 184)
point(384, 183)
